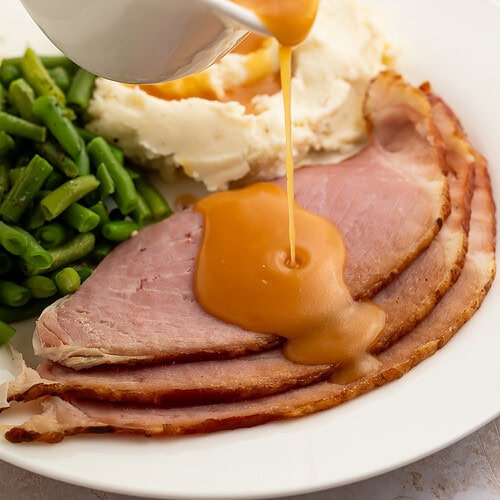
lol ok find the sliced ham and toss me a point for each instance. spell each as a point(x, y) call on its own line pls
point(407, 300)
point(203, 382)
point(417, 290)
point(388, 202)
point(61, 418)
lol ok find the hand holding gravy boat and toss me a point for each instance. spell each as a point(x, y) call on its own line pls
point(144, 41)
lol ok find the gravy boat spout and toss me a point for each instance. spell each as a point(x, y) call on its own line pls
point(143, 41)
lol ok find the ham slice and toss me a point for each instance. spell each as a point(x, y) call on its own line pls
point(388, 202)
point(61, 417)
point(202, 382)
point(407, 300)
point(417, 290)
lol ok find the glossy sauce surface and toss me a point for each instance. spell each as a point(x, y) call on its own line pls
point(243, 277)
point(269, 266)
point(261, 78)
point(289, 21)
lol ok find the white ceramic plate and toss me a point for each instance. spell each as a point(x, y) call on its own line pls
point(454, 44)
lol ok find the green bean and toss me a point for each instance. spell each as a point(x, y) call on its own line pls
point(25, 189)
point(48, 61)
point(119, 230)
point(3, 97)
point(8, 72)
point(80, 91)
point(71, 191)
point(38, 258)
point(84, 272)
point(15, 174)
point(159, 207)
point(42, 193)
point(117, 153)
point(29, 310)
point(6, 143)
point(13, 240)
point(125, 194)
point(54, 180)
point(36, 219)
point(12, 294)
point(75, 249)
point(27, 214)
point(71, 251)
point(23, 128)
point(69, 114)
point(4, 178)
point(22, 96)
point(81, 218)
point(60, 77)
point(38, 77)
point(6, 332)
point(56, 157)
point(5, 263)
point(142, 213)
point(83, 161)
point(35, 254)
point(85, 134)
point(107, 186)
point(100, 209)
point(67, 280)
point(92, 198)
point(40, 287)
point(133, 173)
point(48, 109)
point(53, 235)
point(59, 61)
point(101, 250)
point(88, 136)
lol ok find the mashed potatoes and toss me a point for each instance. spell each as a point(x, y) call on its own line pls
point(218, 142)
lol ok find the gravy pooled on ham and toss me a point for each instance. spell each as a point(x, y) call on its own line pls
point(246, 274)
point(244, 277)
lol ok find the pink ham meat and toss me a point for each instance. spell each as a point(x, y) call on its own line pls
point(407, 300)
point(61, 417)
point(417, 290)
point(389, 201)
point(184, 383)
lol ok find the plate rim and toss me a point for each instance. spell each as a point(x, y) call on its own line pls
point(71, 478)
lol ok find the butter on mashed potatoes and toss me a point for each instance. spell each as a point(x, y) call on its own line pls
point(218, 142)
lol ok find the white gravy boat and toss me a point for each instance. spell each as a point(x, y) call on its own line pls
point(143, 41)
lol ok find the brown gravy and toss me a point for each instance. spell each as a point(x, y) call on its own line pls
point(269, 266)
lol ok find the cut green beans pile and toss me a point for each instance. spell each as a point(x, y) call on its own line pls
point(58, 185)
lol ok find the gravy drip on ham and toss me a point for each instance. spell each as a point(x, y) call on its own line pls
point(243, 277)
point(289, 24)
point(245, 273)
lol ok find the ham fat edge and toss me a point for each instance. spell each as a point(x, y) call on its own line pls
point(428, 291)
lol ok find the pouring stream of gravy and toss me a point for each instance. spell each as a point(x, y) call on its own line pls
point(255, 271)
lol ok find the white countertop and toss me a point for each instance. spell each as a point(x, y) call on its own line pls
point(468, 470)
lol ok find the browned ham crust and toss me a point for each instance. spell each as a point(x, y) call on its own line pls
point(389, 202)
point(217, 381)
point(61, 418)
